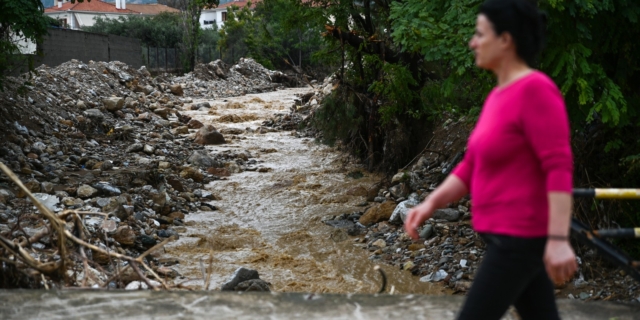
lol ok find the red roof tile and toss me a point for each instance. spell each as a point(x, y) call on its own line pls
point(93, 6)
point(239, 4)
point(153, 8)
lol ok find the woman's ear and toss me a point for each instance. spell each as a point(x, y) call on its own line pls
point(506, 40)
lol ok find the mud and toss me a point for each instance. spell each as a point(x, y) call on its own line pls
point(271, 221)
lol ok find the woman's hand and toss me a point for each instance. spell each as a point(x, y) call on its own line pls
point(451, 189)
point(559, 258)
point(416, 216)
point(560, 261)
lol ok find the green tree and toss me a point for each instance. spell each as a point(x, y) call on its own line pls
point(162, 30)
point(409, 59)
point(191, 28)
point(20, 21)
point(276, 33)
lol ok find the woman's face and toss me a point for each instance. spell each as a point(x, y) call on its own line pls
point(487, 46)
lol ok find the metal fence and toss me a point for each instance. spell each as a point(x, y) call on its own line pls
point(158, 59)
point(162, 59)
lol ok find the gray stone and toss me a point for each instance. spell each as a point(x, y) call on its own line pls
point(176, 89)
point(48, 200)
point(72, 202)
point(102, 202)
point(202, 159)
point(400, 213)
point(6, 196)
point(106, 188)
point(136, 147)
point(253, 285)
point(400, 190)
point(208, 135)
point(86, 191)
point(398, 177)
point(94, 114)
point(47, 187)
point(167, 233)
point(240, 275)
point(426, 231)
point(149, 149)
point(380, 243)
point(203, 105)
point(447, 214)
point(435, 276)
point(113, 104)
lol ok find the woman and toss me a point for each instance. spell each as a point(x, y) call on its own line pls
point(518, 170)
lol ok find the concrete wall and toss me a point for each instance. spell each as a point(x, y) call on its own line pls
point(127, 50)
point(62, 45)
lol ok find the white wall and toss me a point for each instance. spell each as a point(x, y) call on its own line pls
point(75, 20)
point(24, 46)
point(207, 15)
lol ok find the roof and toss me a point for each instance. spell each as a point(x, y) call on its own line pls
point(93, 6)
point(239, 4)
point(152, 9)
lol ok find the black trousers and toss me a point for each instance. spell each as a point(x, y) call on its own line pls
point(512, 273)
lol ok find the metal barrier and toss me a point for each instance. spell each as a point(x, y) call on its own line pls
point(596, 238)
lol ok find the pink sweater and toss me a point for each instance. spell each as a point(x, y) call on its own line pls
point(517, 153)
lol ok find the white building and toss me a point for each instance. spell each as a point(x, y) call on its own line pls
point(218, 15)
point(83, 14)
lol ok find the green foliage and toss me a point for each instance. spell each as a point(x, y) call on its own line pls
point(407, 60)
point(276, 33)
point(20, 20)
point(337, 120)
point(162, 30)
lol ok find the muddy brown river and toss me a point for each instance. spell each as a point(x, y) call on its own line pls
point(271, 221)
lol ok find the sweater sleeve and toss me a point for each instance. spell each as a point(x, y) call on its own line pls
point(546, 127)
point(464, 169)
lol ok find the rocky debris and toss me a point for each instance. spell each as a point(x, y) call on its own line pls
point(107, 138)
point(218, 80)
point(449, 251)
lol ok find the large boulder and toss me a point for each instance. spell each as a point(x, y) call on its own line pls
point(208, 135)
point(176, 89)
point(240, 275)
point(378, 213)
point(113, 104)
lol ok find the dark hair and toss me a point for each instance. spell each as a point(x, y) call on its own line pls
point(523, 20)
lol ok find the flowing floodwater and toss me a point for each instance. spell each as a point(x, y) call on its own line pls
point(271, 221)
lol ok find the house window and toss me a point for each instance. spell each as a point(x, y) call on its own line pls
point(224, 16)
point(63, 23)
point(206, 22)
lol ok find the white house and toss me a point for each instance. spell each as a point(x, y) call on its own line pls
point(83, 14)
point(218, 15)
